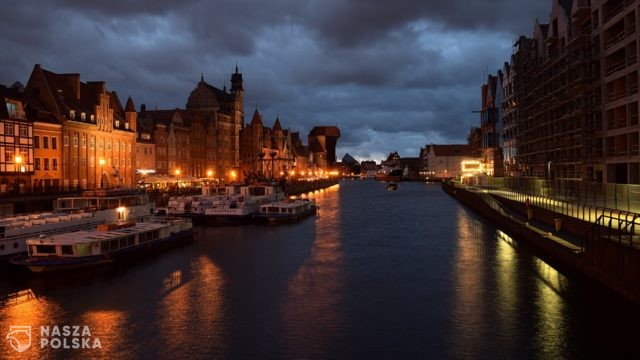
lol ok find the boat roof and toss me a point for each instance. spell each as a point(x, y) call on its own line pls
point(85, 236)
point(287, 203)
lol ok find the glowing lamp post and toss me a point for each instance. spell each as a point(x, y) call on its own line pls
point(101, 162)
point(210, 174)
point(18, 161)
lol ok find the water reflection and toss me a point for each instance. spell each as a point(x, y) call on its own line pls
point(551, 323)
point(32, 313)
point(469, 318)
point(192, 313)
point(310, 315)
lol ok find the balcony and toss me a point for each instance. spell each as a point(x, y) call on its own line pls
point(613, 12)
point(615, 39)
point(615, 67)
point(582, 10)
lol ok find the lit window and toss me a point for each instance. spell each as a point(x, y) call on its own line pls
point(117, 123)
point(83, 116)
point(92, 143)
point(84, 142)
point(75, 141)
point(23, 130)
point(72, 114)
point(66, 141)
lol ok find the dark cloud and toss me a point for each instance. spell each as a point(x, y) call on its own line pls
point(393, 76)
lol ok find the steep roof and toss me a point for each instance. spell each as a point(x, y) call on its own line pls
point(348, 159)
point(277, 126)
point(256, 119)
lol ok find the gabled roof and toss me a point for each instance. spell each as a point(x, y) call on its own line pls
point(277, 126)
point(256, 119)
point(348, 159)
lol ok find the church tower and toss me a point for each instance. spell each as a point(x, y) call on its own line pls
point(238, 112)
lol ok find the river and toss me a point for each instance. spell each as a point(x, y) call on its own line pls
point(377, 274)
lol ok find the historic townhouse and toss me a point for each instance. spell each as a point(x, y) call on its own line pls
point(16, 141)
point(202, 140)
point(98, 134)
point(266, 152)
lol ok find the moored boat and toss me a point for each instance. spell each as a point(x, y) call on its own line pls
point(287, 211)
point(73, 213)
point(241, 207)
point(103, 245)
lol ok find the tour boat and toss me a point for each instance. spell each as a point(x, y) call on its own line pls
point(287, 210)
point(240, 207)
point(104, 244)
point(73, 213)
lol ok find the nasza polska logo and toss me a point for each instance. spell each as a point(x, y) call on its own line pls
point(19, 337)
point(55, 337)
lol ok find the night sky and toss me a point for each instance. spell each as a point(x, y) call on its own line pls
point(393, 75)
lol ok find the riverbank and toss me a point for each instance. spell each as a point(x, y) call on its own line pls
point(580, 246)
point(300, 187)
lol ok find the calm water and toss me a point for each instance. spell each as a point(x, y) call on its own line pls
point(405, 274)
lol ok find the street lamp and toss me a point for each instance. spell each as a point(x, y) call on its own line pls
point(209, 174)
point(101, 162)
point(18, 161)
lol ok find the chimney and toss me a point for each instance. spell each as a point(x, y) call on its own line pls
point(74, 82)
point(98, 86)
point(143, 108)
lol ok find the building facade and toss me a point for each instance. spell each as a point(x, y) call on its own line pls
point(97, 134)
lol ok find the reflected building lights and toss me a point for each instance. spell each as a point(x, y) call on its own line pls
point(316, 289)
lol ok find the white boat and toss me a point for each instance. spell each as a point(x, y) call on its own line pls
point(242, 206)
point(103, 245)
point(73, 213)
point(287, 210)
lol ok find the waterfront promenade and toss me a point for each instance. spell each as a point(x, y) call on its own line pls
point(599, 243)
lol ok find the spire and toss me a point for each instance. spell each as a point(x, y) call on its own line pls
point(256, 118)
point(277, 126)
point(201, 76)
point(236, 67)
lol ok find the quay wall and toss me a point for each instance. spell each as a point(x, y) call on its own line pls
point(613, 265)
point(300, 187)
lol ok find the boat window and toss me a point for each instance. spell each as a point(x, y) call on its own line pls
point(113, 244)
point(104, 246)
point(83, 249)
point(156, 234)
point(123, 242)
point(67, 250)
point(46, 249)
point(273, 209)
point(143, 237)
point(131, 240)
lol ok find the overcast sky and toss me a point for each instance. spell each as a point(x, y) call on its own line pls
point(393, 75)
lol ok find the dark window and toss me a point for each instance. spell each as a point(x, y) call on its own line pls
point(54, 142)
point(36, 142)
point(67, 250)
point(45, 142)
